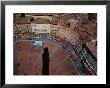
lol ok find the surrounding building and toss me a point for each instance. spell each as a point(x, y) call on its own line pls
point(70, 37)
point(88, 61)
point(40, 28)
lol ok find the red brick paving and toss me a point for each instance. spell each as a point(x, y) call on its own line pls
point(29, 60)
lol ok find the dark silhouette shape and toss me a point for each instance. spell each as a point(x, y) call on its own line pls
point(22, 15)
point(32, 19)
point(92, 16)
point(26, 74)
point(45, 61)
point(18, 64)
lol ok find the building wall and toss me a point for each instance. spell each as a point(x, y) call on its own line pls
point(73, 23)
point(22, 28)
point(55, 29)
point(67, 34)
point(88, 60)
point(40, 28)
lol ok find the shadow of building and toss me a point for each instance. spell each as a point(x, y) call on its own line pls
point(45, 61)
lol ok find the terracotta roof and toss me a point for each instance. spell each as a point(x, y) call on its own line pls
point(23, 20)
point(41, 21)
point(41, 14)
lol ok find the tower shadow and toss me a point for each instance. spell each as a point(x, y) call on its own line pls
point(45, 61)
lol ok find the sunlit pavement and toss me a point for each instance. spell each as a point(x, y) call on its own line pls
point(29, 59)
